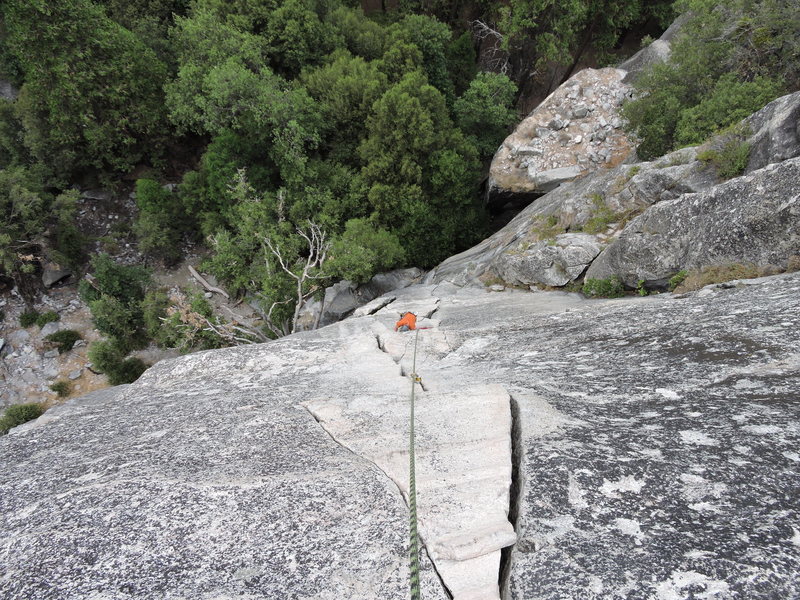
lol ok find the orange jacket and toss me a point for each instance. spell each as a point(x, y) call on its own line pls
point(409, 319)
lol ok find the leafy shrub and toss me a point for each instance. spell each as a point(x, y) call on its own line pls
point(610, 287)
point(108, 358)
point(730, 101)
point(158, 226)
point(62, 388)
point(485, 111)
point(677, 279)
point(28, 318)
point(123, 322)
point(125, 283)
point(46, 317)
point(364, 250)
point(18, 414)
point(730, 159)
point(64, 339)
point(730, 59)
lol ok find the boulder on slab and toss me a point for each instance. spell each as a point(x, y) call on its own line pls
point(552, 263)
point(52, 273)
point(545, 148)
point(776, 132)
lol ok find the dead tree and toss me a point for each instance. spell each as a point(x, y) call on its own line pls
point(308, 273)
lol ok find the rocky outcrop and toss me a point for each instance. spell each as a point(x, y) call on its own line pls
point(656, 52)
point(574, 131)
point(776, 132)
point(600, 203)
point(8, 91)
point(344, 297)
point(751, 219)
point(553, 263)
point(603, 206)
point(634, 446)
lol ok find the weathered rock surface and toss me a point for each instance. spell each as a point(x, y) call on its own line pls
point(776, 132)
point(553, 263)
point(751, 219)
point(621, 192)
point(657, 52)
point(655, 443)
point(8, 91)
point(344, 297)
point(574, 131)
point(613, 196)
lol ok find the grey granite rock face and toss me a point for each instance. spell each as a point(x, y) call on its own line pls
point(655, 442)
point(753, 219)
point(554, 262)
point(776, 132)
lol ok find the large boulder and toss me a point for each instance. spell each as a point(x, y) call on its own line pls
point(572, 132)
point(553, 263)
point(776, 132)
point(657, 52)
point(754, 219)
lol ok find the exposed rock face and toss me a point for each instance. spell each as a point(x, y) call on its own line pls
point(8, 91)
point(528, 239)
point(657, 52)
point(606, 202)
point(750, 219)
point(553, 263)
point(576, 129)
point(342, 298)
point(776, 132)
point(655, 443)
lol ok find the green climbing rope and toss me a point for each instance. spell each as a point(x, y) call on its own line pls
point(413, 551)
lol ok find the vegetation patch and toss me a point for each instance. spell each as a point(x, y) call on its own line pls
point(729, 60)
point(728, 153)
point(611, 287)
point(677, 279)
point(18, 414)
point(699, 278)
point(64, 339)
point(62, 388)
point(546, 228)
point(28, 318)
point(602, 216)
point(109, 359)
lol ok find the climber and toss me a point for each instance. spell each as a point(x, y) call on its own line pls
point(407, 322)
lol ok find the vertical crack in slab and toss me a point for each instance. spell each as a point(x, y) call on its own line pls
point(423, 546)
point(515, 497)
point(463, 472)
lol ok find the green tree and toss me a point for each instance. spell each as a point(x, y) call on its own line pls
point(433, 40)
point(485, 111)
point(224, 85)
point(364, 250)
point(296, 37)
point(362, 36)
point(92, 93)
point(161, 221)
point(420, 171)
point(730, 100)
point(345, 90)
